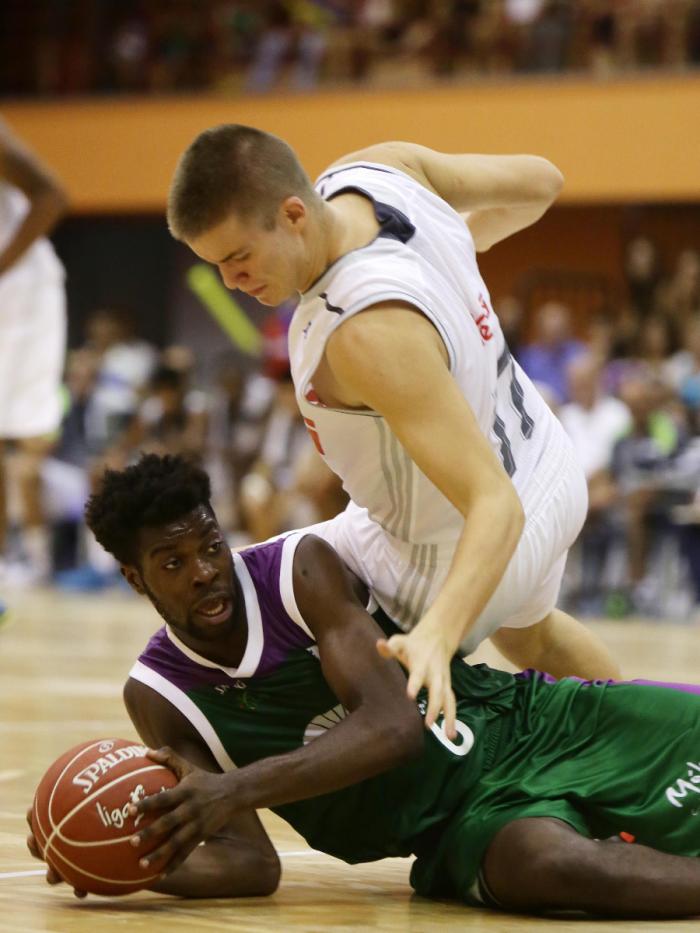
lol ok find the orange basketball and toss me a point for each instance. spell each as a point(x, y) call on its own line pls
point(80, 819)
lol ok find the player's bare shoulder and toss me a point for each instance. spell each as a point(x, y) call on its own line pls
point(406, 157)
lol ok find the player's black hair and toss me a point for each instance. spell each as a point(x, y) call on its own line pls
point(154, 491)
point(233, 169)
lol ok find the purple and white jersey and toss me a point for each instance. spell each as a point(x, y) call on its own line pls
point(276, 631)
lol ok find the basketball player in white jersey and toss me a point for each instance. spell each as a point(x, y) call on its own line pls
point(465, 491)
point(32, 337)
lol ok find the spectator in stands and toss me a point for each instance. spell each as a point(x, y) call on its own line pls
point(642, 271)
point(292, 30)
point(601, 39)
point(289, 485)
point(511, 316)
point(595, 422)
point(129, 51)
point(239, 405)
point(547, 359)
point(124, 365)
point(550, 37)
point(684, 368)
point(692, 36)
point(66, 472)
point(171, 419)
point(641, 462)
point(679, 297)
point(655, 343)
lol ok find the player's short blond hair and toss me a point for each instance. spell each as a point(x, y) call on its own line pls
point(233, 169)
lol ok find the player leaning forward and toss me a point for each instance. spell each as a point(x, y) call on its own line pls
point(465, 491)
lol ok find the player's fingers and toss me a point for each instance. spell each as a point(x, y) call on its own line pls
point(173, 852)
point(394, 646)
point(52, 876)
point(384, 649)
point(436, 699)
point(33, 846)
point(416, 679)
point(165, 800)
point(166, 756)
point(79, 893)
point(160, 827)
point(29, 818)
point(450, 710)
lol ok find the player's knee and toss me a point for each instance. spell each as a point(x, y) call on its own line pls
point(533, 864)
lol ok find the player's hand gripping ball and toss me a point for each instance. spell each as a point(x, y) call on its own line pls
point(80, 817)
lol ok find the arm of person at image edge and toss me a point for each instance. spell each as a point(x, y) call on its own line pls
point(48, 202)
point(381, 730)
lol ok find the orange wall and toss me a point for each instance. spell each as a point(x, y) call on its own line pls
point(622, 141)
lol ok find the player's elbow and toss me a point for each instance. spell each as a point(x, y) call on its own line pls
point(262, 877)
point(550, 181)
point(269, 876)
point(405, 739)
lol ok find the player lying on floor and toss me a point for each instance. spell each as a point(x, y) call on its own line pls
point(267, 670)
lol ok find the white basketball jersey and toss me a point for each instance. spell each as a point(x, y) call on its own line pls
point(423, 255)
point(40, 259)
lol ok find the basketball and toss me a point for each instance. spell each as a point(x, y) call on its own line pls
point(80, 814)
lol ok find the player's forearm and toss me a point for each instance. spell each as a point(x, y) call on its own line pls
point(491, 225)
point(487, 182)
point(491, 532)
point(223, 868)
point(357, 748)
point(47, 208)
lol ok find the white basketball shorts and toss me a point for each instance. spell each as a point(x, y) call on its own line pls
point(32, 351)
point(405, 578)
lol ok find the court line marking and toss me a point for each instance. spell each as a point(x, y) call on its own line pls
point(10, 775)
point(300, 853)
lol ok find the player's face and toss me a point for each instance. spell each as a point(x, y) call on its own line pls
point(268, 264)
point(187, 573)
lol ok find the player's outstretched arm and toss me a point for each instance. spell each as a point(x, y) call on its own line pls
point(539, 865)
point(238, 860)
point(498, 194)
point(391, 359)
point(47, 199)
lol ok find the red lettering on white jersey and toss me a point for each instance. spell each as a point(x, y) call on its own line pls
point(484, 328)
point(311, 428)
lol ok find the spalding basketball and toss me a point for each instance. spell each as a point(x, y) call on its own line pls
point(80, 815)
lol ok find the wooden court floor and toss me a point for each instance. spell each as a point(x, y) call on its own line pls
point(62, 664)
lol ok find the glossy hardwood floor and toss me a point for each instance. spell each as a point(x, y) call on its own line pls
point(62, 664)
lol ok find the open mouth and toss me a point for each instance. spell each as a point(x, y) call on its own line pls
point(214, 609)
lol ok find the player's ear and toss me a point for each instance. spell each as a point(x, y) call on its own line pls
point(133, 578)
point(294, 210)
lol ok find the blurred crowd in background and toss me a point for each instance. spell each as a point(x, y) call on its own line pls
point(67, 47)
point(622, 373)
point(625, 382)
